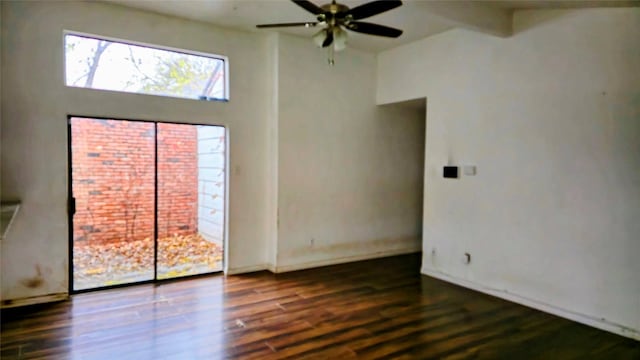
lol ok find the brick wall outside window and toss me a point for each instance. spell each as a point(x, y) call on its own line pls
point(113, 171)
point(177, 180)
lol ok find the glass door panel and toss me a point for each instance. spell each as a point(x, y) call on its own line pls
point(113, 176)
point(191, 179)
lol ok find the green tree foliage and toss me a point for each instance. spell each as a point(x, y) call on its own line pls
point(182, 75)
point(133, 68)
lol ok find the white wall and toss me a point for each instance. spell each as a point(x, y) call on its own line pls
point(34, 127)
point(350, 173)
point(551, 118)
point(304, 138)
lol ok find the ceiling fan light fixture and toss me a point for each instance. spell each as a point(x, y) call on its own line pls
point(339, 38)
point(320, 37)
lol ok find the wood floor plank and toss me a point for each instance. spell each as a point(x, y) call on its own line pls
point(371, 309)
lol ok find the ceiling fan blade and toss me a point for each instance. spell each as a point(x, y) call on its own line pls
point(328, 40)
point(373, 29)
point(305, 24)
point(309, 6)
point(373, 8)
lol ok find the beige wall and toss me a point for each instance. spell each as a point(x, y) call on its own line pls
point(551, 119)
point(349, 171)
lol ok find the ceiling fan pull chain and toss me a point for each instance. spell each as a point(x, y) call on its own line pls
point(331, 60)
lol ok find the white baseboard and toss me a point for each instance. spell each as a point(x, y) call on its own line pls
point(593, 321)
point(11, 303)
point(319, 263)
point(248, 269)
point(342, 260)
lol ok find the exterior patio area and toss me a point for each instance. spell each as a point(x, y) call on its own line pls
point(108, 264)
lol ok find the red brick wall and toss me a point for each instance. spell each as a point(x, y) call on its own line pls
point(113, 174)
point(177, 180)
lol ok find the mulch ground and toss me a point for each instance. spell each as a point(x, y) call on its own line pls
point(97, 265)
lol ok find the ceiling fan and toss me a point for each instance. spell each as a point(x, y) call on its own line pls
point(335, 18)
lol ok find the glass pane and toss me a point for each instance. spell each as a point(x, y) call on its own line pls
point(108, 65)
point(113, 175)
point(191, 188)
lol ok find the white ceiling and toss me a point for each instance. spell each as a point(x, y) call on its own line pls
point(418, 18)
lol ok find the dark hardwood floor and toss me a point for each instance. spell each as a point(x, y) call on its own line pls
point(372, 309)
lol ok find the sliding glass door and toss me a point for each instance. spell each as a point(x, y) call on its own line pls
point(147, 201)
point(190, 215)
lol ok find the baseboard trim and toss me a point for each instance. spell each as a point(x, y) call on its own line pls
point(11, 303)
point(319, 263)
point(344, 259)
point(247, 269)
point(592, 321)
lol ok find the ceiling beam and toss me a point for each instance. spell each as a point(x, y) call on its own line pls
point(472, 15)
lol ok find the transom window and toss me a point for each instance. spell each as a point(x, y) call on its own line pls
point(105, 64)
